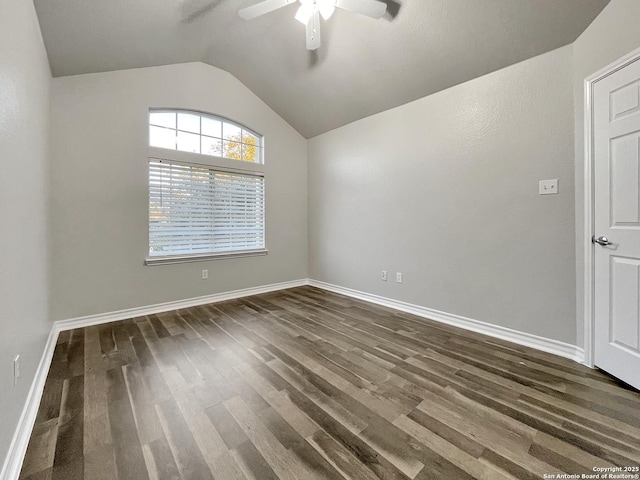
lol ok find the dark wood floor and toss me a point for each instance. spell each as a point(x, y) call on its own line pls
point(306, 384)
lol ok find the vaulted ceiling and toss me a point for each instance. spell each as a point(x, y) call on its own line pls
point(364, 66)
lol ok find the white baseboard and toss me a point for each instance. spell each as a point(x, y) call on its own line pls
point(548, 345)
point(20, 441)
point(100, 318)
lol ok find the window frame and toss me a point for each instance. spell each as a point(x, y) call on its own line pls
point(218, 164)
point(222, 120)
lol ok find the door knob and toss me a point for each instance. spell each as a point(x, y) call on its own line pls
point(601, 240)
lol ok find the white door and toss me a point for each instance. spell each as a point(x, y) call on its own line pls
point(616, 123)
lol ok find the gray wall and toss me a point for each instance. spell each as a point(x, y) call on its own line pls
point(613, 34)
point(24, 125)
point(445, 190)
point(100, 190)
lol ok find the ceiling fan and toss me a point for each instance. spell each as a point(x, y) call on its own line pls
point(310, 10)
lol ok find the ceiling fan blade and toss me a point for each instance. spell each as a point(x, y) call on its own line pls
point(370, 8)
point(313, 31)
point(263, 7)
point(193, 9)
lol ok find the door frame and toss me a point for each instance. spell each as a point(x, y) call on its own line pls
point(589, 201)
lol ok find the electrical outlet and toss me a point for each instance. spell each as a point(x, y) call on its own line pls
point(16, 369)
point(399, 277)
point(548, 187)
point(205, 274)
point(384, 275)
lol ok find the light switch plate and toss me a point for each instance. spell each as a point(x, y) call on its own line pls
point(548, 187)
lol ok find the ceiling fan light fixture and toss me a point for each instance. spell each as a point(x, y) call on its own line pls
point(310, 11)
point(304, 13)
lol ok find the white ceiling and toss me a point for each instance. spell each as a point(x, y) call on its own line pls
point(364, 66)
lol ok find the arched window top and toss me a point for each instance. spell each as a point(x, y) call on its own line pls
point(205, 134)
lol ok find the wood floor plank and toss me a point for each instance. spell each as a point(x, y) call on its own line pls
point(107, 339)
point(145, 417)
point(188, 457)
point(199, 430)
point(275, 453)
point(69, 455)
point(339, 413)
point(307, 384)
point(41, 448)
point(127, 448)
point(321, 368)
point(51, 398)
point(41, 475)
point(99, 455)
point(231, 433)
point(276, 399)
point(159, 459)
point(313, 464)
point(254, 466)
point(340, 457)
point(158, 326)
point(368, 456)
point(452, 452)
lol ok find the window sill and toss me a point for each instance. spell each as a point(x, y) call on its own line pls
point(170, 259)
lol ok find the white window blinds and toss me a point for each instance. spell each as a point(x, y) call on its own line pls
point(195, 209)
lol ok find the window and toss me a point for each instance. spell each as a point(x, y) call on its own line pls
point(206, 188)
point(205, 134)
